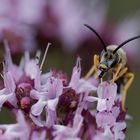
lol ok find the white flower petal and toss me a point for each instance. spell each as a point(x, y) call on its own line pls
point(101, 105)
point(59, 87)
point(4, 98)
point(118, 127)
point(85, 86)
point(77, 123)
point(13, 100)
point(38, 94)
point(37, 121)
point(31, 69)
point(9, 82)
point(37, 108)
point(54, 87)
point(3, 91)
point(51, 104)
point(50, 117)
point(91, 99)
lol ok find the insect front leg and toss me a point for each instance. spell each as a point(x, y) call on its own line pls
point(94, 67)
point(130, 77)
point(115, 75)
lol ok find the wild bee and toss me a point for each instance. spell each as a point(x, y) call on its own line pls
point(113, 57)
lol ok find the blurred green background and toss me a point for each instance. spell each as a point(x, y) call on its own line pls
point(64, 60)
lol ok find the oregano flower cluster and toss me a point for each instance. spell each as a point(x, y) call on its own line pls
point(49, 106)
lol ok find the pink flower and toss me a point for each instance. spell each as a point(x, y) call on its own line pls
point(8, 93)
point(109, 118)
point(38, 136)
point(104, 119)
point(47, 99)
point(48, 107)
point(75, 78)
point(20, 130)
point(68, 132)
point(52, 91)
point(79, 84)
point(14, 83)
point(118, 130)
point(109, 93)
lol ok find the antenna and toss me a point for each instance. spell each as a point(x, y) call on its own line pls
point(101, 40)
point(125, 42)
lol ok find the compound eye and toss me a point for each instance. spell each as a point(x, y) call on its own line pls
point(105, 55)
point(111, 57)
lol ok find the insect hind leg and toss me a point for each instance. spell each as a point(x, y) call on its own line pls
point(130, 77)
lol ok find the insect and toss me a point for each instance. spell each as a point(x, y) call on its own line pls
point(113, 57)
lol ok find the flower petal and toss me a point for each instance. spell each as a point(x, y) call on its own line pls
point(37, 108)
point(74, 82)
point(4, 98)
point(85, 86)
point(38, 135)
point(118, 127)
point(50, 117)
point(51, 104)
point(104, 119)
point(77, 123)
point(9, 82)
point(38, 94)
point(37, 121)
point(109, 92)
point(101, 105)
point(55, 87)
point(31, 69)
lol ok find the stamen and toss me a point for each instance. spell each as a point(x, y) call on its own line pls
point(45, 54)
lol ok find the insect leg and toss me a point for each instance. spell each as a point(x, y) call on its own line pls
point(94, 67)
point(121, 73)
point(130, 77)
point(119, 66)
